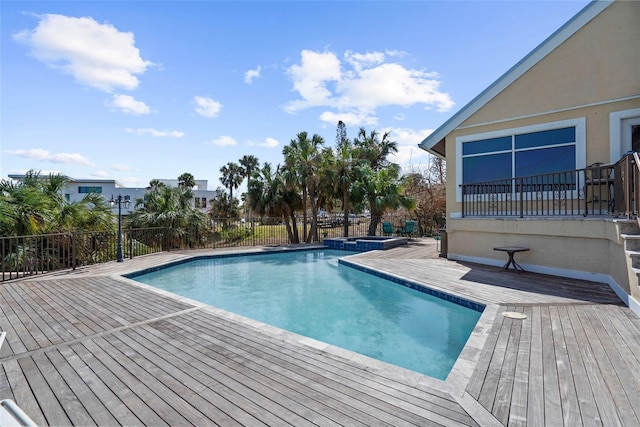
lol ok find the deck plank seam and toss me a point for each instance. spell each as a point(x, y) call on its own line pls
point(96, 335)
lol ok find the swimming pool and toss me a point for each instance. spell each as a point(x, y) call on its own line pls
point(310, 293)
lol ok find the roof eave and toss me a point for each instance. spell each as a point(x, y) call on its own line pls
point(589, 12)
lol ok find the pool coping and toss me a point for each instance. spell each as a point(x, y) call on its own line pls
point(457, 380)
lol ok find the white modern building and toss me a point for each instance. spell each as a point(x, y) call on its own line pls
point(76, 189)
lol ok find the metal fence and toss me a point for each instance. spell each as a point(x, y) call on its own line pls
point(22, 256)
point(600, 189)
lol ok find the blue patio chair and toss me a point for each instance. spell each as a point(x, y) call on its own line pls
point(387, 228)
point(409, 228)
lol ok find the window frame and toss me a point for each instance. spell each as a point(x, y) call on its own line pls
point(580, 143)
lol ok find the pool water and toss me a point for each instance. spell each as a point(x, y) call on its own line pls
point(311, 294)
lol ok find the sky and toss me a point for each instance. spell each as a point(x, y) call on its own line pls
point(142, 90)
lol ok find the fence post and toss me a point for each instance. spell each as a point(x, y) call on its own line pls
point(130, 244)
point(521, 197)
point(73, 251)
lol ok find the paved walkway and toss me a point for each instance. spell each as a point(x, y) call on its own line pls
point(92, 348)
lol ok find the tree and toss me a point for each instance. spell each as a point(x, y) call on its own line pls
point(155, 183)
point(271, 196)
point(186, 180)
point(249, 164)
point(303, 159)
point(383, 189)
point(232, 176)
point(222, 206)
point(344, 172)
point(171, 209)
point(427, 187)
point(373, 150)
point(35, 205)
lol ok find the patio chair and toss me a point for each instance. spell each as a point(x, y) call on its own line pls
point(387, 228)
point(409, 228)
point(598, 188)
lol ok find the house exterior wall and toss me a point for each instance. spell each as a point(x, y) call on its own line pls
point(599, 63)
point(111, 188)
point(589, 249)
point(590, 78)
point(592, 74)
point(597, 139)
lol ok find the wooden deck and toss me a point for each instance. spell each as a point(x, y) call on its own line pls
point(92, 348)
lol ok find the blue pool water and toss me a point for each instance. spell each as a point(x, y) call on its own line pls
point(311, 294)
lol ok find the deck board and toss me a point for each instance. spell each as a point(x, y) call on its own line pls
point(86, 347)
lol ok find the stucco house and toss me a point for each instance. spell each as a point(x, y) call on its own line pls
point(542, 157)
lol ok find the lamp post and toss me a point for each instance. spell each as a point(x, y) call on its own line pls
point(119, 201)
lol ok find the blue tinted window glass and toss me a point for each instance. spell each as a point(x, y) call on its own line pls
point(486, 145)
point(486, 168)
point(85, 190)
point(546, 160)
point(547, 137)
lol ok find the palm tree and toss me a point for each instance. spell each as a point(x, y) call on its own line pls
point(92, 213)
point(272, 196)
point(344, 172)
point(169, 208)
point(249, 164)
point(232, 176)
point(373, 150)
point(155, 183)
point(383, 189)
point(186, 180)
point(303, 158)
point(35, 205)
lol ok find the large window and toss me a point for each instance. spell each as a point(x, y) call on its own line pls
point(519, 155)
point(520, 152)
point(85, 190)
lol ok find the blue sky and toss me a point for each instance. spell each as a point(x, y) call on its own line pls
point(134, 91)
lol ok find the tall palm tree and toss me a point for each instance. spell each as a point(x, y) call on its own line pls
point(344, 172)
point(249, 164)
point(186, 180)
point(232, 176)
point(155, 183)
point(371, 149)
point(272, 196)
point(303, 157)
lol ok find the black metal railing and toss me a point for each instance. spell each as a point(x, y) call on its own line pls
point(600, 190)
point(22, 256)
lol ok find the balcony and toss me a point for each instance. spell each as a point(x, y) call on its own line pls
point(601, 190)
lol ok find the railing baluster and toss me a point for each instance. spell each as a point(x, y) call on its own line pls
point(563, 193)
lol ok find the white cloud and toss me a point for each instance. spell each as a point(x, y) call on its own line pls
point(207, 107)
point(408, 139)
point(97, 55)
point(356, 118)
point(100, 174)
point(120, 167)
point(127, 104)
point(44, 155)
point(223, 140)
point(250, 75)
point(362, 60)
point(310, 79)
point(156, 133)
point(269, 143)
point(361, 84)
